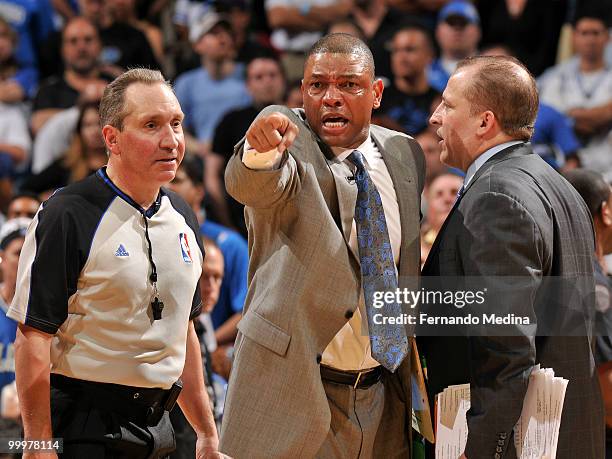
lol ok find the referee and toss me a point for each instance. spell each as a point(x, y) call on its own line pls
point(106, 290)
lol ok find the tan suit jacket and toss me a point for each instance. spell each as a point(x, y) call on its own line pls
point(304, 284)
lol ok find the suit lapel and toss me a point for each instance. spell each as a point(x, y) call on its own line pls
point(347, 198)
point(346, 193)
point(514, 150)
point(401, 176)
point(340, 195)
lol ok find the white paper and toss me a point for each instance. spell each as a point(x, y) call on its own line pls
point(453, 404)
point(536, 434)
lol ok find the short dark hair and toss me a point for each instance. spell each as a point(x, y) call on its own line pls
point(592, 11)
point(112, 105)
point(25, 194)
point(194, 168)
point(343, 43)
point(504, 86)
point(270, 56)
point(415, 26)
point(444, 173)
point(591, 186)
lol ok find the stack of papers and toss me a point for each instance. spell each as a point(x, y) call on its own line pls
point(535, 434)
point(451, 427)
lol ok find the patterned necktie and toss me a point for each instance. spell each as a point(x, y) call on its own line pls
point(389, 342)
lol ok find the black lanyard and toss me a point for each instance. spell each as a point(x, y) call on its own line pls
point(157, 306)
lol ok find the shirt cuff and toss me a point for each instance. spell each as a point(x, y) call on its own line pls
point(261, 161)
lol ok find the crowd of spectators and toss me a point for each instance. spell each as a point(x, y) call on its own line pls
point(230, 58)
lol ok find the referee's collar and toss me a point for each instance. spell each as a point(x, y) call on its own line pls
point(101, 173)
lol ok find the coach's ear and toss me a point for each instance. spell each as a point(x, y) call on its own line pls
point(489, 125)
point(377, 89)
point(110, 134)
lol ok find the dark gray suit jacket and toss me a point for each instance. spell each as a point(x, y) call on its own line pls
point(304, 285)
point(521, 231)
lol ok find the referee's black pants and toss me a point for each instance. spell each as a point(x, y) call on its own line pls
point(97, 424)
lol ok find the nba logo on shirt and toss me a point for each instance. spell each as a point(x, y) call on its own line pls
point(185, 248)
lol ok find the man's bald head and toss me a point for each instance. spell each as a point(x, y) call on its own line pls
point(504, 86)
point(343, 43)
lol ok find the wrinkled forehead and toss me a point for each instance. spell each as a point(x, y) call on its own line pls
point(149, 100)
point(337, 64)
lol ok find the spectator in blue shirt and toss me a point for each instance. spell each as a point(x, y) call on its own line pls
point(554, 139)
point(33, 21)
point(216, 87)
point(457, 34)
point(17, 81)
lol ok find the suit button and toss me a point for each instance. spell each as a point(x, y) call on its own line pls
point(319, 357)
point(348, 314)
point(499, 449)
point(500, 442)
point(503, 435)
point(497, 456)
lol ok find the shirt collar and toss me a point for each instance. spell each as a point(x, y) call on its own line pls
point(366, 148)
point(478, 162)
point(147, 212)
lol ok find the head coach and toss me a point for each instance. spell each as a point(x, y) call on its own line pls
point(332, 209)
